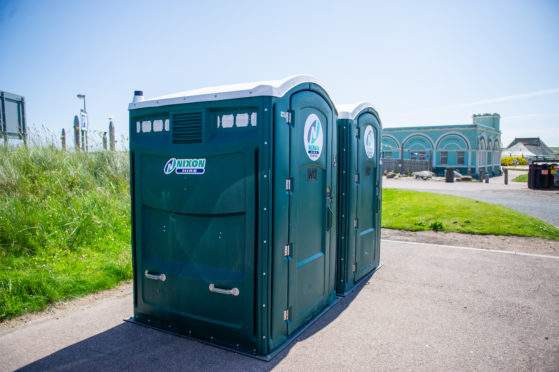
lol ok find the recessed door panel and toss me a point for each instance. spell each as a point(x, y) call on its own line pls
point(196, 256)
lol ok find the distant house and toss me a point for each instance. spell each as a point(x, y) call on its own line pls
point(528, 148)
point(474, 147)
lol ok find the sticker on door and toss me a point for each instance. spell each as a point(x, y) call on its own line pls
point(369, 141)
point(313, 137)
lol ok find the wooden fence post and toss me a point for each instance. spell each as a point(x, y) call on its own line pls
point(77, 133)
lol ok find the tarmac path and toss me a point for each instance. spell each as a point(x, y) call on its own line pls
point(429, 307)
point(543, 204)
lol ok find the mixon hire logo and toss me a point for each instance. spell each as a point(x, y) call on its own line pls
point(185, 166)
point(313, 137)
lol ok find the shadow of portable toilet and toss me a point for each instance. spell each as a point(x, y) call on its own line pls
point(233, 204)
point(359, 194)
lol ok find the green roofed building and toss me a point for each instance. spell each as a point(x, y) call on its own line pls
point(472, 147)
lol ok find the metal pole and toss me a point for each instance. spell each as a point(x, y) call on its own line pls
point(83, 140)
point(86, 124)
point(3, 127)
point(84, 137)
point(506, 176)
point(63, 139)
point(23, 122)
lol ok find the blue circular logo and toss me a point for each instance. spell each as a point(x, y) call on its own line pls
point(313, 137)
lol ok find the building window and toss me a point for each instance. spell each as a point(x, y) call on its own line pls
point(460, 158)
point(387, 155)
point(444, 157)
point(417, 155)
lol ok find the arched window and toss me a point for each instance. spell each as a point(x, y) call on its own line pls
point(452, 149)
point(390, 147)
point(417, 147)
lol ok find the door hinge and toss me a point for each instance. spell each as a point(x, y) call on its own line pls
point(357, 132)
point(289, 184)
point(354, 268)
point(287, 116)
point(286, 314)
point(287, 250)
point(355, 223)
point(356, 178)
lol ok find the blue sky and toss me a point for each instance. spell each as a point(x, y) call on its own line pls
point(418, 62)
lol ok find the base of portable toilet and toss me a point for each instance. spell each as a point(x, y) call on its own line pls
point(266, 358)
point(359, 195)
point(233, 212)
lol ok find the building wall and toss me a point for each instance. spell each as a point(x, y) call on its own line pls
point(472, 147)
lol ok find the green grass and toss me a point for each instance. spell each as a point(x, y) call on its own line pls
point(413, 210)
point(521, 178)
point(64, 226)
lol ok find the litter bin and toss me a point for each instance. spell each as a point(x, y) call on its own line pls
point(449, 176)
point(233, 203)
point(359, 194)
point(541, 174)
point(545, 176)
point(531, 177)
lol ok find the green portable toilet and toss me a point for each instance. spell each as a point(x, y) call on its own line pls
point(233, 204)
point(359, 194)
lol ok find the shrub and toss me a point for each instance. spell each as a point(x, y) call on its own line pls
point(437, 226)
point(510, 160)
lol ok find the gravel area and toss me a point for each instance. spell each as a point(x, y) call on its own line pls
point(494, 242)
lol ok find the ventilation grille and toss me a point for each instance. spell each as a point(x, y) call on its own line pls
point(187, 128)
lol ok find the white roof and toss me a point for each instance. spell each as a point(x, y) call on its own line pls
point(274, 88)
point(350, 111)
point(518, 150)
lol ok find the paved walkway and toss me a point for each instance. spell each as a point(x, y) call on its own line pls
point(543, 204)
point(429, 308)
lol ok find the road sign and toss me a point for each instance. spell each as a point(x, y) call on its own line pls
point(83, 120)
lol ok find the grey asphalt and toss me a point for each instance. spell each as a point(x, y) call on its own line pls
point(429, 308)
point(543, 204)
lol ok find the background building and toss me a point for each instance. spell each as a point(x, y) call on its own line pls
point(529, 148)
point(469, 147)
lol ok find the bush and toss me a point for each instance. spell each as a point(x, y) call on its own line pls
point(510, 160)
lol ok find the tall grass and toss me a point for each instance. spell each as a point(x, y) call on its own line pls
point(64, 225)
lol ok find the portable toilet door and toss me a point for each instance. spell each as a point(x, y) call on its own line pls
point(360, 194)
point(232, 212)
point(305, 205)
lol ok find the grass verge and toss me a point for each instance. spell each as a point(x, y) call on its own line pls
point(521, 178)
point(414, 210)
point(64, 226)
